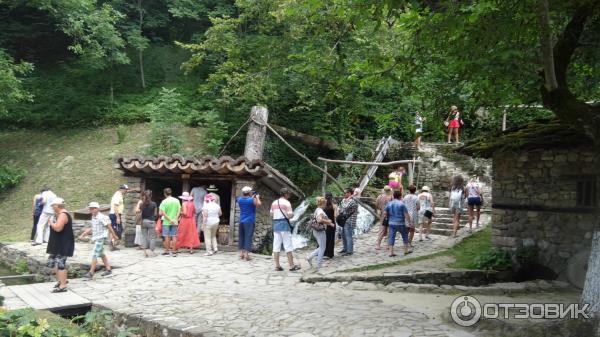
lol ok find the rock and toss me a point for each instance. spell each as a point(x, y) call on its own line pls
point(360, 285)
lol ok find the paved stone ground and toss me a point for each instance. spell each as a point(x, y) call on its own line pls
point(366, 255)
point(223, 296)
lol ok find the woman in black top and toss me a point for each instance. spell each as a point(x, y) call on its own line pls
point(61, 243)
point(331, 212)
point(148, 212)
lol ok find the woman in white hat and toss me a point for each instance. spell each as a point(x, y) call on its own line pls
point(426, 212)
point(211, 215)
point(187, 235)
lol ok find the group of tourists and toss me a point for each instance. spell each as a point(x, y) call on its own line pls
point(402, 214)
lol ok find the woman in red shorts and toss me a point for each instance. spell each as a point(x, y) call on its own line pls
point(453, 122)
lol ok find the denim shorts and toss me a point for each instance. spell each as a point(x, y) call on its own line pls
point(169, 231)
point(474, 201)
point(98, 249)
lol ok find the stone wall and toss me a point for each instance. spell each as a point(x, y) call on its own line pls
point(131, 199)
point(535, 203)
point(262, 228)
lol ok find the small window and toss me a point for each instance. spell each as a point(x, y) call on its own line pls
point(586, 193)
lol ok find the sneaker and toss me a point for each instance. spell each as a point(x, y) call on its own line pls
point(107, 272)
point(88, 275)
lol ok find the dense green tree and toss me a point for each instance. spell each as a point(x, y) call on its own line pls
point(11, 89)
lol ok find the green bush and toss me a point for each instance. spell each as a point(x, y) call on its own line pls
point(495, 259)
point(10, 177)
point(166, 114)
point(22, 267)
point(121, 133)
point(29, 323)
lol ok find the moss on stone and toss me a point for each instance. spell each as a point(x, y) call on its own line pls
point(535, 135)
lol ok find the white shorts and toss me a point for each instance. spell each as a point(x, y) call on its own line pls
point(284, 238)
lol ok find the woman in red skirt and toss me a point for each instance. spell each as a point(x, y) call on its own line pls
point(453, 122)
point(187, 234)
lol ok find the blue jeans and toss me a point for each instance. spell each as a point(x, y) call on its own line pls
point(392, 234)
point(347, 238)
point(320, 251)
point(245, 238)
point(118, 228)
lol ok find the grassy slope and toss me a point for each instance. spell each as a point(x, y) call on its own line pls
point(46, 157)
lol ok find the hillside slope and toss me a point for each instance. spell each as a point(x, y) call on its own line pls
point(76, 164)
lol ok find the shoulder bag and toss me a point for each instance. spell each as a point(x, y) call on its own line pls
point(285, 217)
point(314, 224)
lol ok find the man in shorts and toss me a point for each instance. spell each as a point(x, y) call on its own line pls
point(281, 211)
point(100, 230)
point(117, 206)
point(170, 209)
point(399, 217)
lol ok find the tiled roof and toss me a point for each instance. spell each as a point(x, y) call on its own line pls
point(208, 165)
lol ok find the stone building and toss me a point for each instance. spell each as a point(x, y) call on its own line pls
point(545, 195)
point(229, 175)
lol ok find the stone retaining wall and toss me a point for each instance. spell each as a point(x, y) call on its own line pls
point(535, 203)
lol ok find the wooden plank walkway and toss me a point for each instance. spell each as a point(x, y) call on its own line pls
point(39, 297)
point(379, 155)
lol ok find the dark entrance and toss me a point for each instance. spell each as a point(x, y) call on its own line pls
point(224, 192)
point(157, 186)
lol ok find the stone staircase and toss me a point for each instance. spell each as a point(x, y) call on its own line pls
point(439, 165)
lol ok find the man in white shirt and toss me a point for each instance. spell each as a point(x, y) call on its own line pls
point(281, 212)
point(117, 206)
point(43, 231)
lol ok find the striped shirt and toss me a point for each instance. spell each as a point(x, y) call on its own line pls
point(280, 207)
point(100, 224)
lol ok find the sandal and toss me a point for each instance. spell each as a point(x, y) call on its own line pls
point(294, 268)
point(409, 252)
point(58, 284)
point(278, 269)
point(393, 255)
point(59, 290)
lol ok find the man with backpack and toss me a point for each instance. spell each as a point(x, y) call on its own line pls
point(281, 212)
point(398, 216)
point(456, 203)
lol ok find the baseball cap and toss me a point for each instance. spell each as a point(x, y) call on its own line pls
point(246, 189)
point(124, 187)
point(94, 204)
point(57, 201)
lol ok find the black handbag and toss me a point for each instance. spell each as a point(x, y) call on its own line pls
point(341, 219)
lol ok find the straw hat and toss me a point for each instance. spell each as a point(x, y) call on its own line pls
point(425, 189)
point(212, 188)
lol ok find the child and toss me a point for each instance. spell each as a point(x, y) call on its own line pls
point(101, 228)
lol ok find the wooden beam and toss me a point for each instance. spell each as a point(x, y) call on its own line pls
point(369, 163)
point(307, 139)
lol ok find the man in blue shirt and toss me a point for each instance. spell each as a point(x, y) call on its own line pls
point(248, 203)
point(398, 216)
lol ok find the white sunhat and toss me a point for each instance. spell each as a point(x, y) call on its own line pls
point(425, 188)
point(246, 189)
point(94, 204)
point(57, 201)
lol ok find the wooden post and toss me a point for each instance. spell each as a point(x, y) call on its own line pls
point(411, 172)
point(504, 120)
point(257, 131)
point(324, 182)
point(186, 182)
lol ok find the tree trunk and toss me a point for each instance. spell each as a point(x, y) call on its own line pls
point(546, 42)
point(140, 52)
point(257, 131)
point(306, 139)
point(591, 289)
point(141, 60)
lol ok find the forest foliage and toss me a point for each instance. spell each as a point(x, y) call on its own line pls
point(344, 70)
